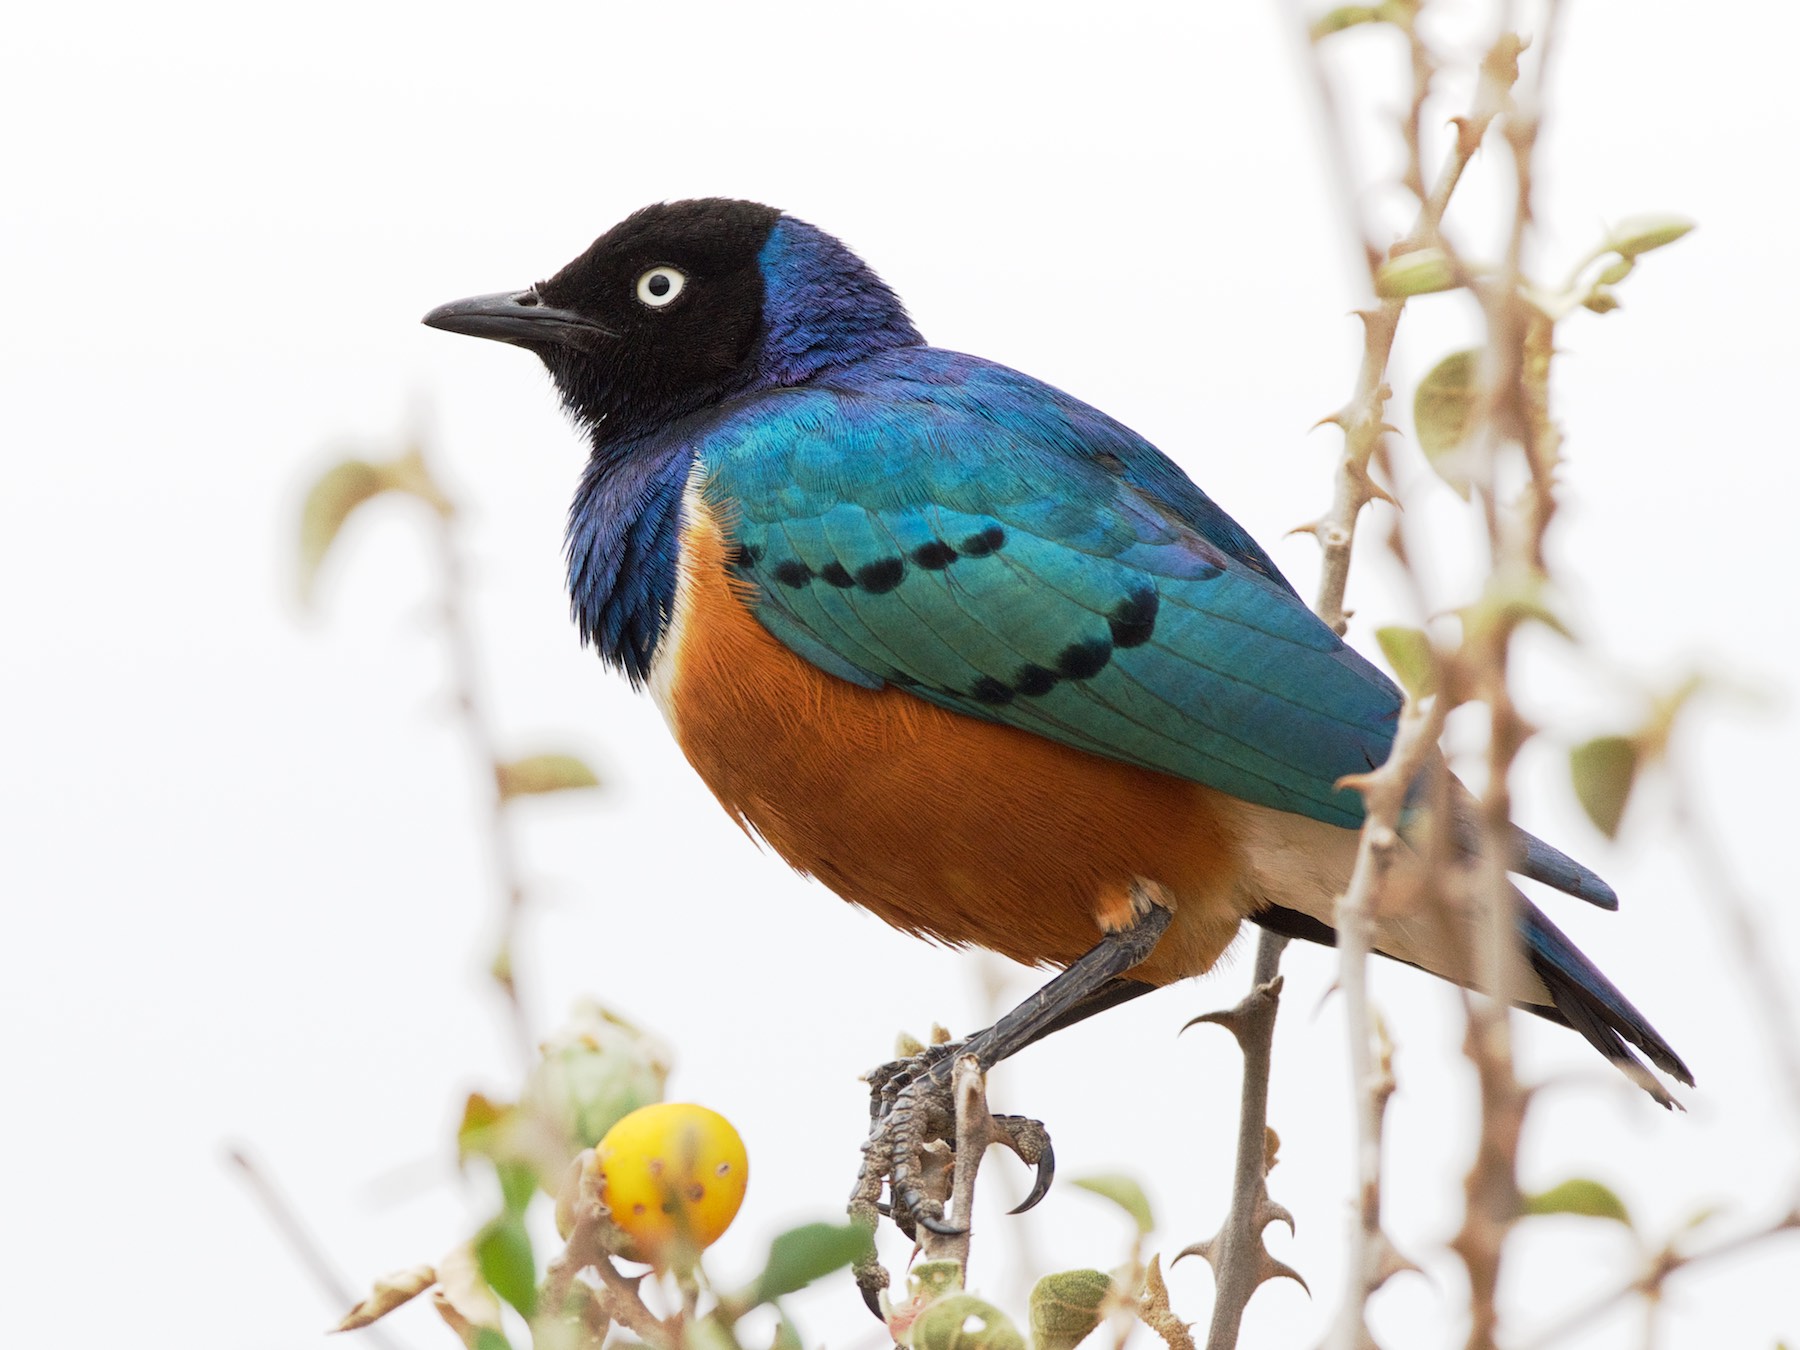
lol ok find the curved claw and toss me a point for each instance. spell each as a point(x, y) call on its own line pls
point(872, 1298)
point(1040, 1184)
point(942, 1227)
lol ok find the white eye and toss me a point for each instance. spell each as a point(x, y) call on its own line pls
point(659, 286)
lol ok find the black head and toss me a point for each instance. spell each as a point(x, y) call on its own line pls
point(684, 303)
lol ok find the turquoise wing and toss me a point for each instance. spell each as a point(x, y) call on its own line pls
point(997, 548)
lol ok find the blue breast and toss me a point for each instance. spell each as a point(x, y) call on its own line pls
point(624, 548)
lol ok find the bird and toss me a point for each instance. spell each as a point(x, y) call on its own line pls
point(973, 654)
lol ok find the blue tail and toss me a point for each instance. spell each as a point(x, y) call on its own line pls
point(1591, 1004)
point(1558, 870)
point(1581, 998)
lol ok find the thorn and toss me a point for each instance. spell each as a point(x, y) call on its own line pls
point(1271, 1269)
point(1312, 527)
point(1332, 419)
point(1275, 1212)
point(1203, 1249)
point(1326, 996)
point(1229, 1018)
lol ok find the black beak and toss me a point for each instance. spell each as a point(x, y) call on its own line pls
point(518, 317)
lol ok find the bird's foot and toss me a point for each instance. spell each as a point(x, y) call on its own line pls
point(912, 1112)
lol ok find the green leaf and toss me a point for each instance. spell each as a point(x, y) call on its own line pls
point(339, 491)
point(1444, 410)
point(481, 1123)
point(1639, 234)
point(1512, 597)
point(802, 1255)
point(486, 1338)
point(542, 773)
point(1604, 770)
point(787, 1335)
point(1424, 271)
point(1580, 1195)
point(964, 1322)
point(518, 1183)
point(503, 1255)
point(1615, 271)
point(709, 1333)
point(1409, 652)
point(1066, 1307)
point(933, 1279)
point(1124, 1192)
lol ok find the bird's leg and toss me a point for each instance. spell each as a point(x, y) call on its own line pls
point(910, 1104)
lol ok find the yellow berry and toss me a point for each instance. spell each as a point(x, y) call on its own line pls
point(673, 1176)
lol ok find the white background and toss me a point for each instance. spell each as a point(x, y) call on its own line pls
point(245, 892)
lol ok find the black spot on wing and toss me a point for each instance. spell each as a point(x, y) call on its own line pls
point(746, 556)
point(1133, 619)
point(1033, 680)
point(1083, 660)
point(980, 545)
point(990, 691)
point(836, 574)
point(933, 557)
point(792, 572)
point(878, 578)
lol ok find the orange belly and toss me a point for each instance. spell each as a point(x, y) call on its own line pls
point(944, 825)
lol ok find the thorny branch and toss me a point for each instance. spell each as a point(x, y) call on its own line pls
point(1372, 1257)
point(1515, 400)
point(1242, 1266)
point(1362, 419)
point(1240, 1260)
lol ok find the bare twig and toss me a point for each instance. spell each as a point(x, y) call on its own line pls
point(1660, 1267)
point(478, 730)
point(619, 1295)
point(305, 1247)
point(974, 1131)
point(1726, 901)
point(1339, 162)
point(1372, 1257)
